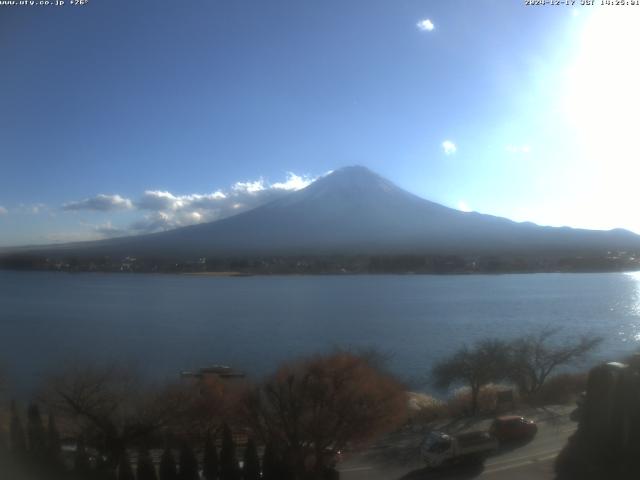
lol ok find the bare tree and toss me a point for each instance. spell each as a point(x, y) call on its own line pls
point(112, 405)
point(534, 357)
point(474, 367)
point(213, 401)
point(321, 404)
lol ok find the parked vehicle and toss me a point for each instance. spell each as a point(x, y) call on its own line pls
point(513, 428)
point(440, 449)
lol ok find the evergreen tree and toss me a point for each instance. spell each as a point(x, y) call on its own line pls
point(269, 464)
point(54, 446)
point(210, 464)
point(188, 463)
point(125, 472)
point(36, 434)
point(251, 469)
point(146, 470)
point(103, 469)
point(16, 433)
point(81, 460)
point(228, 463)
point(274, 465)
point(168, 466)
point(100, 467)
point(285, 468)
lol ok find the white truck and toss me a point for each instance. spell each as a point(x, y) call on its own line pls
point(440, 449)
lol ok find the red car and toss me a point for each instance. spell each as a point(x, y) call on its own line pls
point(513, 428)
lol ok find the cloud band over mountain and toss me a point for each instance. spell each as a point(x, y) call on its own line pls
point(163, 210)
point(100, 203)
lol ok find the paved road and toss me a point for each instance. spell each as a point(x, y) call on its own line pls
point(399, 459)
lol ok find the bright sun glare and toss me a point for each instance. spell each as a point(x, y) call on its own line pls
point(602, 97)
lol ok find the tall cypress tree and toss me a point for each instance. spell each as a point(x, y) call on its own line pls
point(168, 466)
point(104, 470)
point(251, 469)
point(36, 434)
point(269, 464)
point(16, 434)
point(275, 465)
point(210, 464)
point(188, 463)
point(125, 472)
point(228, 463)
point(54, 447)
point(146, 470)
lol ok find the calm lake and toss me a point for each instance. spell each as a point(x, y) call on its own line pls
point(169, 323)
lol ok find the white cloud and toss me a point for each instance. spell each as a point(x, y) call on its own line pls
point(516, 149)
point(100, 203)
point(425, 25)
point(163, 210)
point(463, 206)
point(167, 211)
point(157, 200)
point(163, 200)
point(211, 200)
point(293, 182)
point(449, 147)
point(249, 187)
point(3, 211)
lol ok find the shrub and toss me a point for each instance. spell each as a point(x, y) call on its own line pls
point(424, 408)
point(458, 404)
point(560, 389)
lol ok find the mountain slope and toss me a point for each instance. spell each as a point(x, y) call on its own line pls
point(354, 210)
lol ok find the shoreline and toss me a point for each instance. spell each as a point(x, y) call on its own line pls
point(212, 274)
point(226, 274)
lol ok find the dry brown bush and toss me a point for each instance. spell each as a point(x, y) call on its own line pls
point(325, 402)
point(424, 408)
point(560, 389)
point(458, 404)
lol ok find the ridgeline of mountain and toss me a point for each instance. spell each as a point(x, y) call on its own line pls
point(355, 211)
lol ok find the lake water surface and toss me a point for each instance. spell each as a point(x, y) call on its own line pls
point(169, 323)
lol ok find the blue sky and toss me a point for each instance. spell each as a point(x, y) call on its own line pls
point(123, 117)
